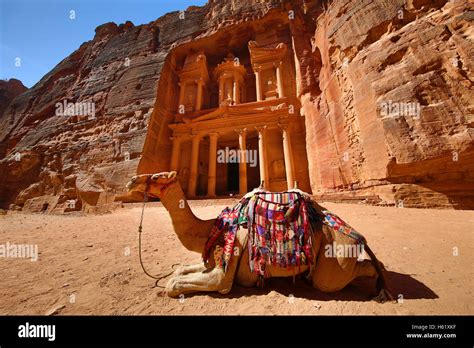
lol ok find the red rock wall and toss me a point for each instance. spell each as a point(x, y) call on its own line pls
point(117, 71)
point(9, 90)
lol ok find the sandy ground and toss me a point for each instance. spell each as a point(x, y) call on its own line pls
point(84, 266)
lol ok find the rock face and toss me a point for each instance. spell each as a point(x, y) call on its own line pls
point(47, 152)
point(385, 88)
point(9, 90)
point(395, 56)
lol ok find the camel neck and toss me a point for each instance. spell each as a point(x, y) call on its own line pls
point(191, 231)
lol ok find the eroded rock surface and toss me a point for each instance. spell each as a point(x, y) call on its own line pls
point(369, 54)
point(9, 90)
point(420, 53)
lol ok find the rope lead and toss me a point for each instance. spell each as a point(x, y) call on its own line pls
point(140, 229)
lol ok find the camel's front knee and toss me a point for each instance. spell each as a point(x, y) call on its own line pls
point(172, 287)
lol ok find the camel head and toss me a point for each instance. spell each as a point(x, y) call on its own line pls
point(153, 184)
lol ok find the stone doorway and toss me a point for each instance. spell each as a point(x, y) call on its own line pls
point(233, 178)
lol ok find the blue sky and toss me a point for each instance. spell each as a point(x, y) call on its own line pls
point(40, 32)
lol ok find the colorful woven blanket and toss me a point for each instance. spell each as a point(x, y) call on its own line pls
point(336, 223)
point(279, 230)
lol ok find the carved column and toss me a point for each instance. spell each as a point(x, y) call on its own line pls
point(262, 155)
point(258, 84)
point(221, 89)
point(182, 86)
point(193, 168)
point(211, 179)
point(288, 153)
point(279, 76)
point(175, 153)
point(235, 91)
point(243, 160)
point(199, 94)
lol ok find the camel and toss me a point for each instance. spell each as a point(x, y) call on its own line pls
point(329, 274)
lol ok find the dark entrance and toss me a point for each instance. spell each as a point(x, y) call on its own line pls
point(233, 177)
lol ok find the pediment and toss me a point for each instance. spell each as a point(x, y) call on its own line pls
point(217, 113)
point(235, 111)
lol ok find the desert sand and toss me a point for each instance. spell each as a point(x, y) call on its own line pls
point(88, 264)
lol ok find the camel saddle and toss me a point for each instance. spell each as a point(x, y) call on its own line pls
point(279, 227)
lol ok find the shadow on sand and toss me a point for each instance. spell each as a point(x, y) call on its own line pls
point(359, 290)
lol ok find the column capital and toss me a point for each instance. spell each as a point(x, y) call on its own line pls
point(183, 82)
point(225, 76)
point(257, 68)
point(261, 129)
point(241, 131)
point(177, 138)
point(214, 135)
point(195, 137)
point(284, 126)
point(277, 64)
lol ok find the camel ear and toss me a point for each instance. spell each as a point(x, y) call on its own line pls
point(172, 175)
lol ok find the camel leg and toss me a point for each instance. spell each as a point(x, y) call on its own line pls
point(384, 293)
point(333, 274)
point(244, 276)
point(194, 282)
point(203, 279)
point(186, 269)
point(364, 268)
point(330, 275)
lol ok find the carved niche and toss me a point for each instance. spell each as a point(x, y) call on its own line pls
point(193, 81)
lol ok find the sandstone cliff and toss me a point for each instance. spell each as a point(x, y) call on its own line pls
point(9, 90)
point(369, 54)
point(351, 57)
